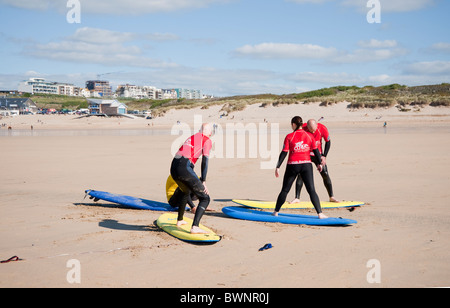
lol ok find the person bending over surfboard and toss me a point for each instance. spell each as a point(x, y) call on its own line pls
point(174, 195)
point(319, 131)
point(298, 144)
point(182, 171)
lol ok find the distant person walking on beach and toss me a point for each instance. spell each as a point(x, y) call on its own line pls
point(319, 132)
point(298, 144)
point(182, 171)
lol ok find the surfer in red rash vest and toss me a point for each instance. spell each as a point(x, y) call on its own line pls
point(298, 144)
point(320, 132)
point(182, 171)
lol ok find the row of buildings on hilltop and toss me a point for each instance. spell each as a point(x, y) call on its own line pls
point(141, 92)
point(103, 89)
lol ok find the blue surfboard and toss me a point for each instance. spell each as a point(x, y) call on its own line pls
point(131, 202)
point(255, 215)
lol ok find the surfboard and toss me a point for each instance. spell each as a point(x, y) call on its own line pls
point(168, 223)
point(131, 202)
point(256, 215)
point(297, 206)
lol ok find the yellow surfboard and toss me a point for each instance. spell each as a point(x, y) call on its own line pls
point(171, 186)
point(168, 222)
point(296, 206)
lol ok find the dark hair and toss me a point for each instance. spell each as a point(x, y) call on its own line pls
point(297, 121)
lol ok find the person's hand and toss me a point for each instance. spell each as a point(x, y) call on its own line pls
point(206, 191)
point(277, 172)
point(324, 160)
point(320, 168)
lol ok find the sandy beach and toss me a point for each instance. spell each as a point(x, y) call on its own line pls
point(401, 171)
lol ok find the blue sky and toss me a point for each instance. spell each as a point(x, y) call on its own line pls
point(226, 47)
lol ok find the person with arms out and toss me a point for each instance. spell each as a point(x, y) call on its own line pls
point(182, 171)
point(319, 132)
point(298, 144)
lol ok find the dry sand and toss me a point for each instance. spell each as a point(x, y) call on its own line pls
point(401, 172)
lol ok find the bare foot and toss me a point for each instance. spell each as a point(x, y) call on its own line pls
point(295, 201)
point(322, 216)
point(197, 230)
point(333, 199)
point(275, 214)
point(181, 223)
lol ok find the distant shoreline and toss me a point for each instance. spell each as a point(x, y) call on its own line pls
point(335, 115)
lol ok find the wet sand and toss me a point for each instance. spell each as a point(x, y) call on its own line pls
point(401, 172)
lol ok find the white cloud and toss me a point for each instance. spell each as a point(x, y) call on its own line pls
point(320, 79)
point(99, 46)
point(285, 51)
point(118, 7)
point(387, 6)
point(373, 43)
point(372, 53)
point(329, 79)
point(369, 55)
point(102, 36)
point(392, 6)
point(441, 68)
point(31, 5)
point(309, 1)
point(443, 48)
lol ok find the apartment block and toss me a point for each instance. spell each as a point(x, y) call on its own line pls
point(99, 88)
point(188, 93)
point(42, 86)
point(139, 92)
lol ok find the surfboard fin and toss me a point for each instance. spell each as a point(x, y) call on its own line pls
point(86, 193)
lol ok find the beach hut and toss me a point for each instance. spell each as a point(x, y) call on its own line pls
point(107, 107)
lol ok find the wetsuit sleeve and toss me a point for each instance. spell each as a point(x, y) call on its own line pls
point(205, 160)
point(286, 144)
point(325, 134)
point(281, 159)
point(284, 153)
point(207, 146)
point(327, 148)
point(205, 163)
point(317, 154)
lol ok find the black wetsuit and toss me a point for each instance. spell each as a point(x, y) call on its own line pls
point(324, 173)
point(182, 171)
point(178, 196)
point(304, 172)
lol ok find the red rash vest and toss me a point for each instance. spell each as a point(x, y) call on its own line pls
point(195, 146)
point(321, 132)
point(299, 144)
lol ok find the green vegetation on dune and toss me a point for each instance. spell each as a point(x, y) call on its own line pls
point(59, 102)
point(357, 97)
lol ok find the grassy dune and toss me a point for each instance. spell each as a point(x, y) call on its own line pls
point(394, 95)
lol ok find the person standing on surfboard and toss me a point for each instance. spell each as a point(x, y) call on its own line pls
point(182, 171)
point(320, 132)
point(298, 144)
